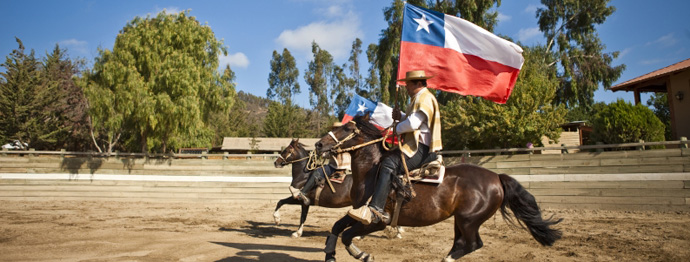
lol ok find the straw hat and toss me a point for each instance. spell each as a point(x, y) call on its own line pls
point(415, 75)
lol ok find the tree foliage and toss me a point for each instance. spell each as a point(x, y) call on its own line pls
point(318, 76)
point(659, 104)
point(21, 98)
point(40, 105)
point(622, 122)
point(527, 116)
point(569, 27)
point(282, 80)
point(285, 120)
point(70, 131)
point(159, 85)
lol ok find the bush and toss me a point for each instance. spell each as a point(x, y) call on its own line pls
point(621, 122)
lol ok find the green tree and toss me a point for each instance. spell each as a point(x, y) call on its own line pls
point(26, 101)
point(346, 80)
point(159, 84)
point(284, 120)
point(231, 123)
point(622, 122)
point(527, 116)
point(569, 27)
point(317, 77)
point(341, 90)
point(372, 81)
point(659, 103)
point(70, 131)
point(282, 80)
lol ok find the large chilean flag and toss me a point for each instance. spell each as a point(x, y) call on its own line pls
point(463, 57)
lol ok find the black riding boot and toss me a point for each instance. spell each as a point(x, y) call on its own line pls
point(308, 186)
point(383, 188)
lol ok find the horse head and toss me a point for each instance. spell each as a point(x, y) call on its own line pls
point(353, 133)
point(291, 153)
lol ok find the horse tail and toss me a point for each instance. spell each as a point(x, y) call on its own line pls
point(526, 210)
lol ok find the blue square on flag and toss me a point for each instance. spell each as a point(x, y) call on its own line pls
point(358, 106)
point(423, 26)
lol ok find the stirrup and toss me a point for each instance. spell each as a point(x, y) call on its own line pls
point(294, 191)
point(362, 214)
point(303, 198)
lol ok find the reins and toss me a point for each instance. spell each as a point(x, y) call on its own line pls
point(337, 150)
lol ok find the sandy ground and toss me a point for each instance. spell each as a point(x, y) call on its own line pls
point(136, 231)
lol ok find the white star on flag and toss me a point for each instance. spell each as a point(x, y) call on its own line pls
point(423, 23)
point(362, 108)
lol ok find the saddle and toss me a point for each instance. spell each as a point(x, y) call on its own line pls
point(431, 172)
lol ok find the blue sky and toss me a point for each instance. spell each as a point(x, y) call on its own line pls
point(649, 36)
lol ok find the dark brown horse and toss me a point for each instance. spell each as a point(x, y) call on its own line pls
point(296, 155)
point(470, 193)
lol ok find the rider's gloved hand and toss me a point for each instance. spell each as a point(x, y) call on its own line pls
point(396, 114)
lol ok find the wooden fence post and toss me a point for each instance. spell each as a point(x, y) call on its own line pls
point(642, 146)
point(684, 140)
point(600, 149)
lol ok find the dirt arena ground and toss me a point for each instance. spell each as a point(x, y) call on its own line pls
point(136, 231)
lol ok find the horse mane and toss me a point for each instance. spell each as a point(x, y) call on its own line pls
point(366, 127)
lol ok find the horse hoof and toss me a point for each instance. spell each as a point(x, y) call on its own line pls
point(448, 259)
point(357, 237)
point(398, 236)
point(296, 234)
point(276, 218)
point(368, 258)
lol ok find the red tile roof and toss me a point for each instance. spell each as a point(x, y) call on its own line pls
point(656, 74)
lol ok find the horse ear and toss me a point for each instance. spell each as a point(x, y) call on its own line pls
point(295, 139)
point(366, 117)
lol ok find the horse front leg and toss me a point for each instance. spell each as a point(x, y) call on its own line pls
point(276, 213)
point(360, 229)
point(332, 239)
point(302, 219)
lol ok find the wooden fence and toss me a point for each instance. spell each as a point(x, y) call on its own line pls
point(635, 179)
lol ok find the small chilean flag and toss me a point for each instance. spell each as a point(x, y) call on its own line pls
point(380, 114)
point(463, 57)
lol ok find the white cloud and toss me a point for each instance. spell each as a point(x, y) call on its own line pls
point(76, 46)
point(527, 33)
point(234, 60)
point(334, 35)
point(532, 9)
point(664, 41)
point(503, 17)
point(625, 52)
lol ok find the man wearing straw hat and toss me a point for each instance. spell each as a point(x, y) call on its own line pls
point(421, 139)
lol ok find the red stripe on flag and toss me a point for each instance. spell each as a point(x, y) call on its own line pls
point(458, 73)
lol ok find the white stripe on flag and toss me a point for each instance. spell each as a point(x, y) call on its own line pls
point(468, 38)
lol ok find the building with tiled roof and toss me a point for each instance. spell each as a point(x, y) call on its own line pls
point(673, 80)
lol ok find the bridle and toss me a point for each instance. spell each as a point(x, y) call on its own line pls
point(338, 143)
point(313, 160)
point(287, 162)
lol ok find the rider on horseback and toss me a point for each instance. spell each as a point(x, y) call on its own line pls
point(337, 163)
point(421, 139)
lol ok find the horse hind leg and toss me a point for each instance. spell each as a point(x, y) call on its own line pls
point(466, 241)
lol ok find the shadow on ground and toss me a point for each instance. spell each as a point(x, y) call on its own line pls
point(261, 252)
point(264, 230)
